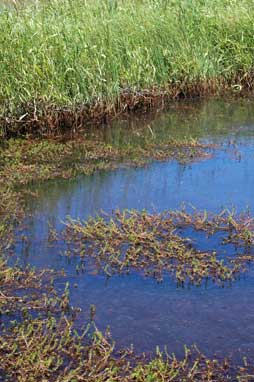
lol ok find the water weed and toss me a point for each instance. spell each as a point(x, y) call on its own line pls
point(25, 290)
point(51, 350)
point(152, 244)
point(25, 161)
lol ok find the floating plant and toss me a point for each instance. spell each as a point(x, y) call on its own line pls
point(149, 243)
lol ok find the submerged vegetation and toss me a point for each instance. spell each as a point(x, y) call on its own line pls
point(152, 244)
point(25, 290)
point(51, 350)
point(64, 63)
point(42, 344)
point(38, 339)
point(24, 161)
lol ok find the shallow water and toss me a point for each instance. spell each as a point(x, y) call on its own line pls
point(139, 311)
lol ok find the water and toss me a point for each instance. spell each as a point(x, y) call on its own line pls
point(220, 321)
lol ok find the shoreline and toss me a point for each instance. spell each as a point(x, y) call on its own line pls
point(48, 120)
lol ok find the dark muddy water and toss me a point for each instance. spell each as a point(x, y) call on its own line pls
point(139, 311)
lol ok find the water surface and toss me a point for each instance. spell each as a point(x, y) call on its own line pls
point(139, 311)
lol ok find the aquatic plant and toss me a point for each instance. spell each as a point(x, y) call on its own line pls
point(51, 350)
point(133, 240)
point(26, 290)
point(25, 161)
point(64, 64)
point(238, 228)
point(42, 344)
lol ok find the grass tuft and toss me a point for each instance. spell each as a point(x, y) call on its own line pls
point(64, 62)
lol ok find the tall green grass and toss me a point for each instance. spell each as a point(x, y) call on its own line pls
point(71, 52)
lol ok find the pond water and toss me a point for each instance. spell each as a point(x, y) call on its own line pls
point(139, 311)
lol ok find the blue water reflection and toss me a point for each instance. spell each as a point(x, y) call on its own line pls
point(138, 310)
